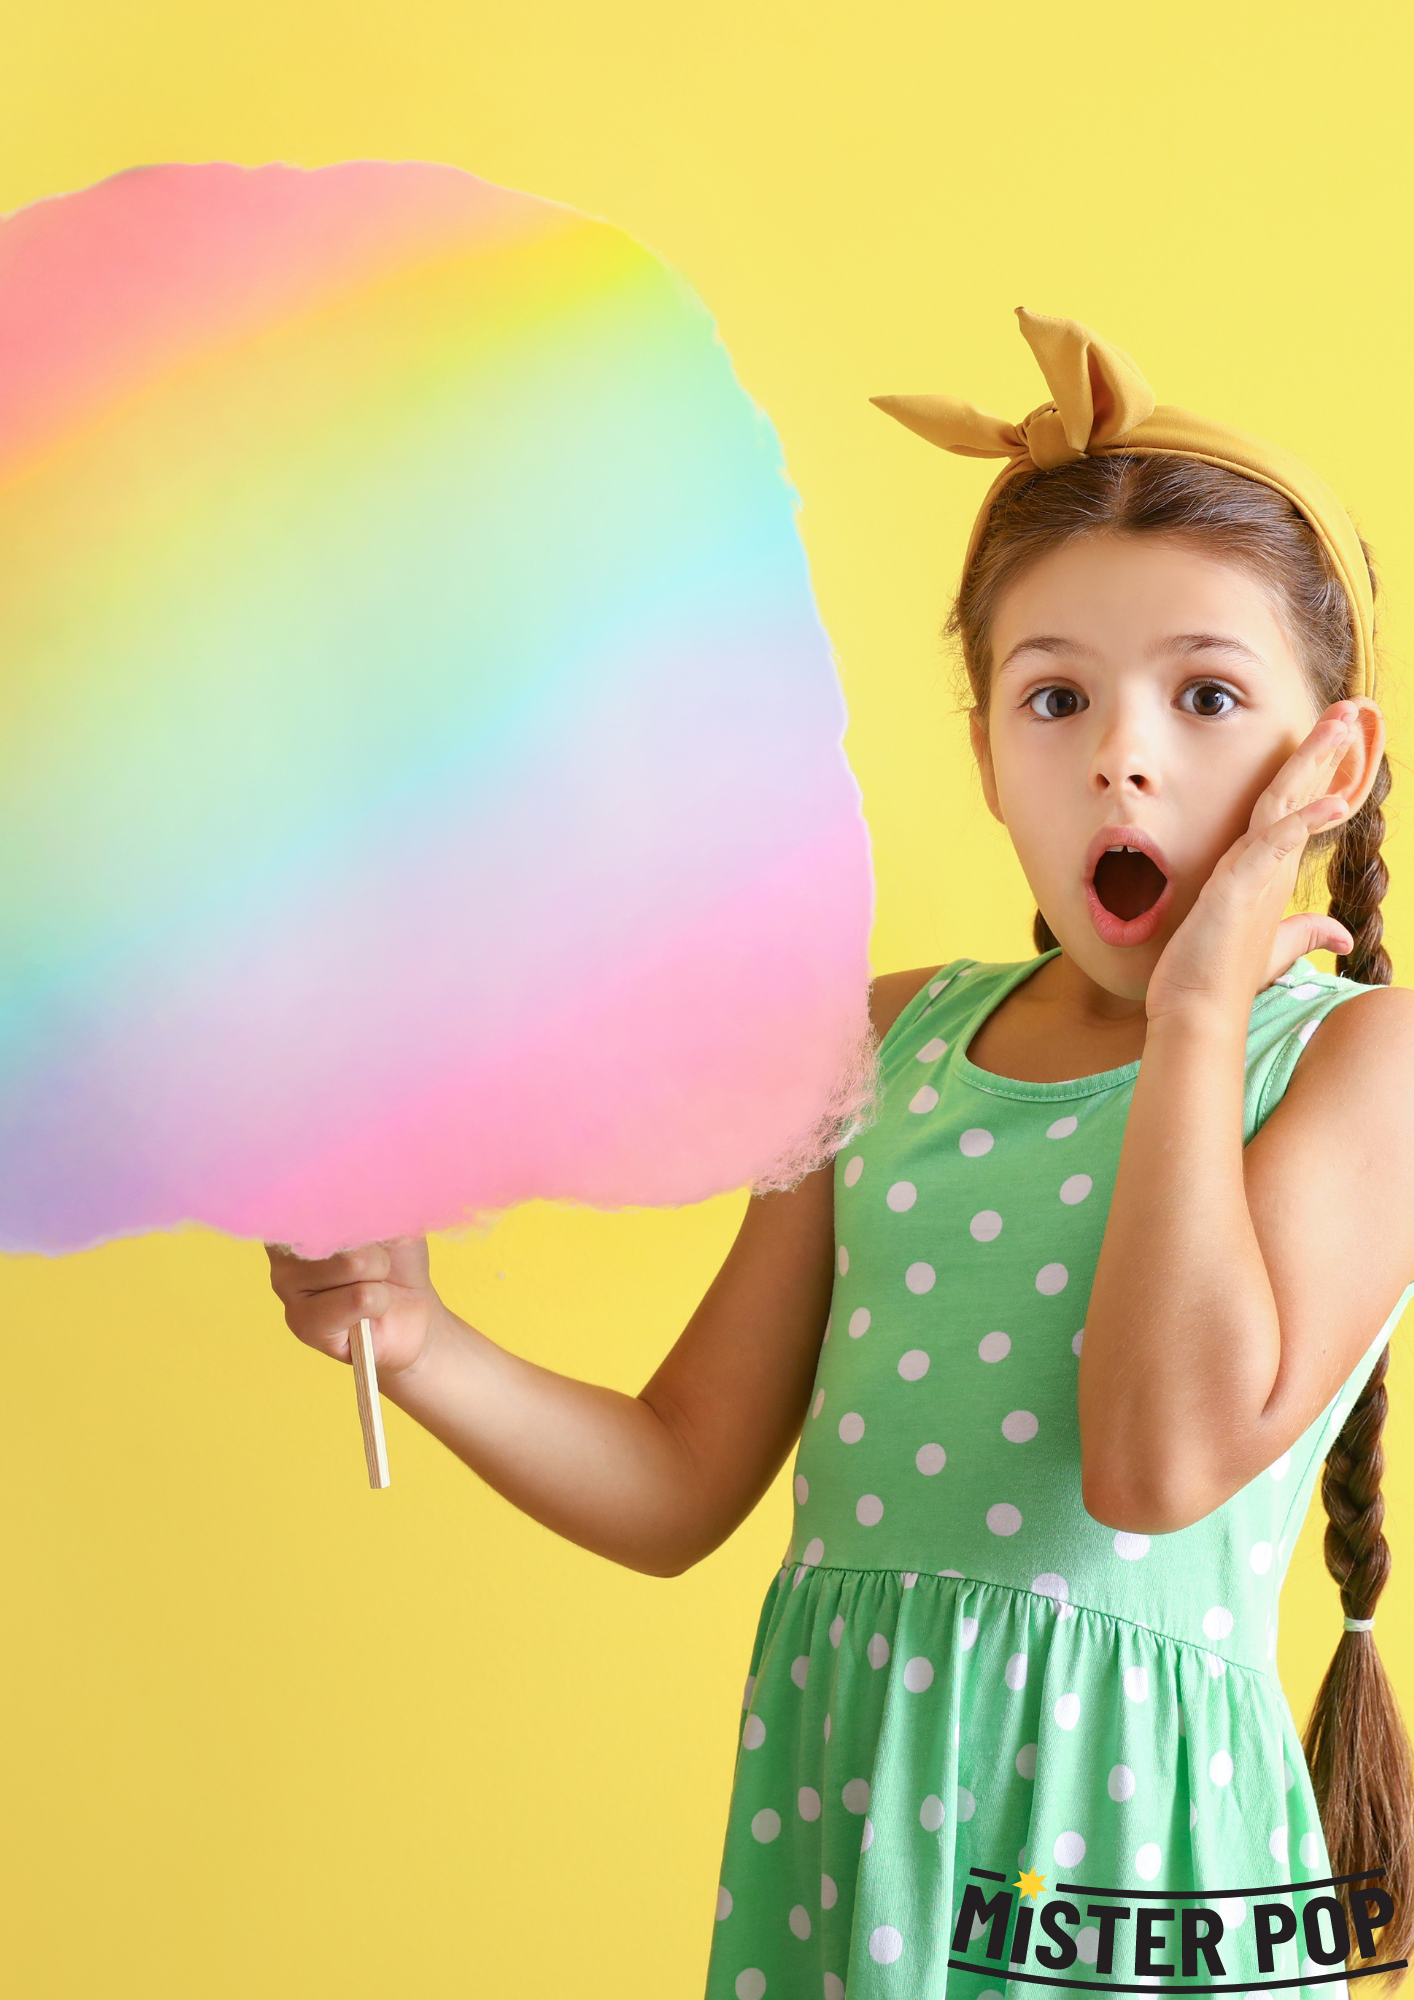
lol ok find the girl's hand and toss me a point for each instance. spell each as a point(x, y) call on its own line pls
point(1236, 939)
point(387, 1283)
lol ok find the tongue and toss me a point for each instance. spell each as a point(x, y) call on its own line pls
point(1128, 884)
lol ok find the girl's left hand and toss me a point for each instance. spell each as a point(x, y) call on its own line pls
point(1236, 939)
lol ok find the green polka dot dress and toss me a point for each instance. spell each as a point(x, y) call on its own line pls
point(959, 1674)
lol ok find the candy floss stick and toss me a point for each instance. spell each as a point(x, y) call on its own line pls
point(423, 784)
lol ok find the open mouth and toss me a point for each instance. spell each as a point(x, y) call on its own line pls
point(1128, 883)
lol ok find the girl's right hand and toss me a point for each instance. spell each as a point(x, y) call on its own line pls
point(387, 1283)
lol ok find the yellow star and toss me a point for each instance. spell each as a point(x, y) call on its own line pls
point(1031, 1884)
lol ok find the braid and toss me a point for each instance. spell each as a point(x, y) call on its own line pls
point(1358, 878)
point(1356, 1745)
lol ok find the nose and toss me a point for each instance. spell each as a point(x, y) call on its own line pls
point(1125, 758)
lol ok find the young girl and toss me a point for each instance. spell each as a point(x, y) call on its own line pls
point(1070, 1328)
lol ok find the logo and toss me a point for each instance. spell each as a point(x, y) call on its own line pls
point(1136, 1937)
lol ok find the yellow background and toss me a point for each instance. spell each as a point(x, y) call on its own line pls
point(265, 1733)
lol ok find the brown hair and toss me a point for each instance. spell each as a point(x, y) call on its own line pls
point(1356, 1744)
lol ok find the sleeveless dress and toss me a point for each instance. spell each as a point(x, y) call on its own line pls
point(959, 1674)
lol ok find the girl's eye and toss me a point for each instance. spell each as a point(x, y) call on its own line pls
point(1207, 698)
point(1054, 703)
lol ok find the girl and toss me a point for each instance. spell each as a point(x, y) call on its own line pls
point(1070, 1328)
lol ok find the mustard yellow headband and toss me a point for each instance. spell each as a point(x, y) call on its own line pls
point(1101, 403)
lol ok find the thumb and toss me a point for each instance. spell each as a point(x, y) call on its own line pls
point(1306, 932)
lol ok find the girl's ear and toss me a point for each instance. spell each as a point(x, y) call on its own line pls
point(982, 751)
point(1360, 765)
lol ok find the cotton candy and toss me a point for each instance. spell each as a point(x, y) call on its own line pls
point(422, 775)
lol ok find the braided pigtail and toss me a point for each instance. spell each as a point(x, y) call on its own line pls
point(1358, 878)
point(1356, 1744)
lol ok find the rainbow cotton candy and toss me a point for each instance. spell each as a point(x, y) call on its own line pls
point(422, 782)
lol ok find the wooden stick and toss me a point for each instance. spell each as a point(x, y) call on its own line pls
point(370, 1408)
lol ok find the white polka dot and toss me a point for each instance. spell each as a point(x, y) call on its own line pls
point(1310, 1850)
point(1120, 1784)
point(1014, 1673)
point(829, 1896)
point(1260, 1557)
point(1067, 1711)
point(766, 1825)
point(965, 1804)
point(1193, 1816)
point(818, 1404)
point(802, 1489)
point(1148, 1861)
point(748, 1691)
point(1048, 1584)
point(994, 1346)
point(1136, 1683)
point(836, 1631)
point(834, 1986)
point(1278, 1469)
point(724, 1903)
point(843, 1260)
point(1232, 1910)
point(1062, 1128)
point(751, 1984)
point(949, 1572)
point(1305, 1031)
point(1069, 1849)
point(856, 1795)
point(827, 1729)
point(813, 1552)
point(754, 1734)
point(1304, 992)
point(976, 1142)
point(1003, 1519)
point(885, 1944)
point(1078, 1342)
point(867, 1840)
point(799, 1921)
point(1216, 1667)
point(1217, 1622)
point(1087, 1944)
point(1026, 1760)
point(925, 1099)
point(807, 1802)
point(908, 1577)
point(920, 1277)
point(937, 986)
point(930, 1051)
point(1052, 1278)
point(853, 1169)
point(1131, 1547)
point(967, 1633)
point(931, 1813)
point(800, 1669)
point(918, 1676)
point(1277, 1844)
point(901, 1197)
point(914, 1365)
point(986, 1225)
point(1220, 1768)
point(851, 1427)
point(1019, 1427)
point(1075, 1189)
point(877, 1651)
point(859, 1322)
point(869, 1510)
point(930, 1458)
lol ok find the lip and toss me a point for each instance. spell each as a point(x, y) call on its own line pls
point(1117, 930)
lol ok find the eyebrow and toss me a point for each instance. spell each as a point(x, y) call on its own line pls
point(1194, 644)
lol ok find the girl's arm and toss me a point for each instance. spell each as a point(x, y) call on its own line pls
point(1236, 1290)
point(653, 1481)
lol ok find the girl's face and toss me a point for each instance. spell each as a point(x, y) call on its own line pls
point(1144, 694)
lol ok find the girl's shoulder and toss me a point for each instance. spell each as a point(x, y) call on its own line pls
point(902, 1001)
point(1365, 1046)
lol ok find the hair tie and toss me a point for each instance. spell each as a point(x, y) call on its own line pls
point(1101, 404)
point(1359, 1624)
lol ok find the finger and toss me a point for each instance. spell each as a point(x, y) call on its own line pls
point(323, 1319)
point(1298, 936)
point(300, 1277)
point(1306, 773)
point(1284, 840)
